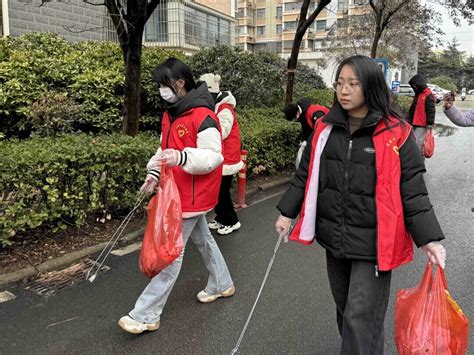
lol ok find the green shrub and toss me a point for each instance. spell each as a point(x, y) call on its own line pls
point(54, 182)
point(52, 114)
point(271, 141)
point(444, 82)
point(323, 97)
point(256, 80)
point(403, 103)
point(90, 74)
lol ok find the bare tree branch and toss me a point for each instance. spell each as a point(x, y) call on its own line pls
point(94, 4)
point(73, 28)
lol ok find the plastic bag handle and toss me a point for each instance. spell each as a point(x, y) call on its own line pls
point(441, 276)
point(427, 279)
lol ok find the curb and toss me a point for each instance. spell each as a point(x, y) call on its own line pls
point(62, 261)
point(65, 260)
point(267, 186)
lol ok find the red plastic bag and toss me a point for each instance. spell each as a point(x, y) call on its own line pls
point(428, 144)
point(163, 240)
point(428, 321)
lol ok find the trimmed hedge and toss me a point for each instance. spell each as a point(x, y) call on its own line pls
point(55, 182)
point(272, 142)
point(88, 77)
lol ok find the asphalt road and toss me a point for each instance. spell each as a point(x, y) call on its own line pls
point(296, 314)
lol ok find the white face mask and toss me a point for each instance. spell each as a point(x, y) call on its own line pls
point(168, 95)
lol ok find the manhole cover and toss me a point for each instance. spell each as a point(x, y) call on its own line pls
point(56, 280)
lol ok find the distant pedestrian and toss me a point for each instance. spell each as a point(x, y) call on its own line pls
point(359, 192)
point(191, 147)
point(463, 119)
point(307, 114)
point(226, 220)
point(422, 111)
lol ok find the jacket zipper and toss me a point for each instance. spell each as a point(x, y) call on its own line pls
point(192, 188)
point(376, 223)
point(346, 187)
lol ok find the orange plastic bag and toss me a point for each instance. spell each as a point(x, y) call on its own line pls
point(428, 321)
point(428, 144)
point(163, 240)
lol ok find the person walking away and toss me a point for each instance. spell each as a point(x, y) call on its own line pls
point(191, 147)
point(359, 192)
point(226, 220)
point(306, 114)
point(421, 114)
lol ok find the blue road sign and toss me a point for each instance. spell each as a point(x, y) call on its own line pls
point(395, 86)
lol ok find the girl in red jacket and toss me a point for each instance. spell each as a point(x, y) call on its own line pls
point(191, 145)
point(359, 192)
point(226, 220)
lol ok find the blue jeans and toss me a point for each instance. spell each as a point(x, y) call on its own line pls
point(151, 302)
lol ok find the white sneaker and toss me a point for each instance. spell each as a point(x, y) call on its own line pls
point(228, 229)
point(205, 297)
point(214, 224)
point(130, 325)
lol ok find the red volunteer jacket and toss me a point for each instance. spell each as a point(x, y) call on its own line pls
point(198, 192)
point(394, 242)
point(419, 117)
point(231, 145)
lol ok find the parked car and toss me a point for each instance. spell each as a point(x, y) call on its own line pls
point(438, 92)
point(405, 90)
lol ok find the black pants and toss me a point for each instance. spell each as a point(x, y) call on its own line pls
point(225, 213)
point(361, 301)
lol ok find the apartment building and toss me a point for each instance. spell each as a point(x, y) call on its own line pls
point(270, 25)
point(180, 24)
point(189, 25)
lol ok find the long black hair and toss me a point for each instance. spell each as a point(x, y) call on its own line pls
point(378, 97)
point(173, 69)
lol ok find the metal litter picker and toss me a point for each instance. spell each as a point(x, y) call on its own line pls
point(92, 273)
point(283, 236)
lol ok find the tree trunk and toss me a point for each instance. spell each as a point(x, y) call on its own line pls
point(292, 63)
point(132, 89)
point(375, 43)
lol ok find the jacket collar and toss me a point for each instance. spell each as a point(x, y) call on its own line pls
point(337, 116)
point(198, 97)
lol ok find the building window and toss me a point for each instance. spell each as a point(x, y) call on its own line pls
point(224, 32)
point(156, 28)
point(279, 29)
point(343, 5)
point(260, 47)
point(321, 25)
point(260, 30)
point(290, 25)
point(260, 13)
point(287, 44)
point(293, 6)
point(279, 11)
point(240, 13)
point(278, 47)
